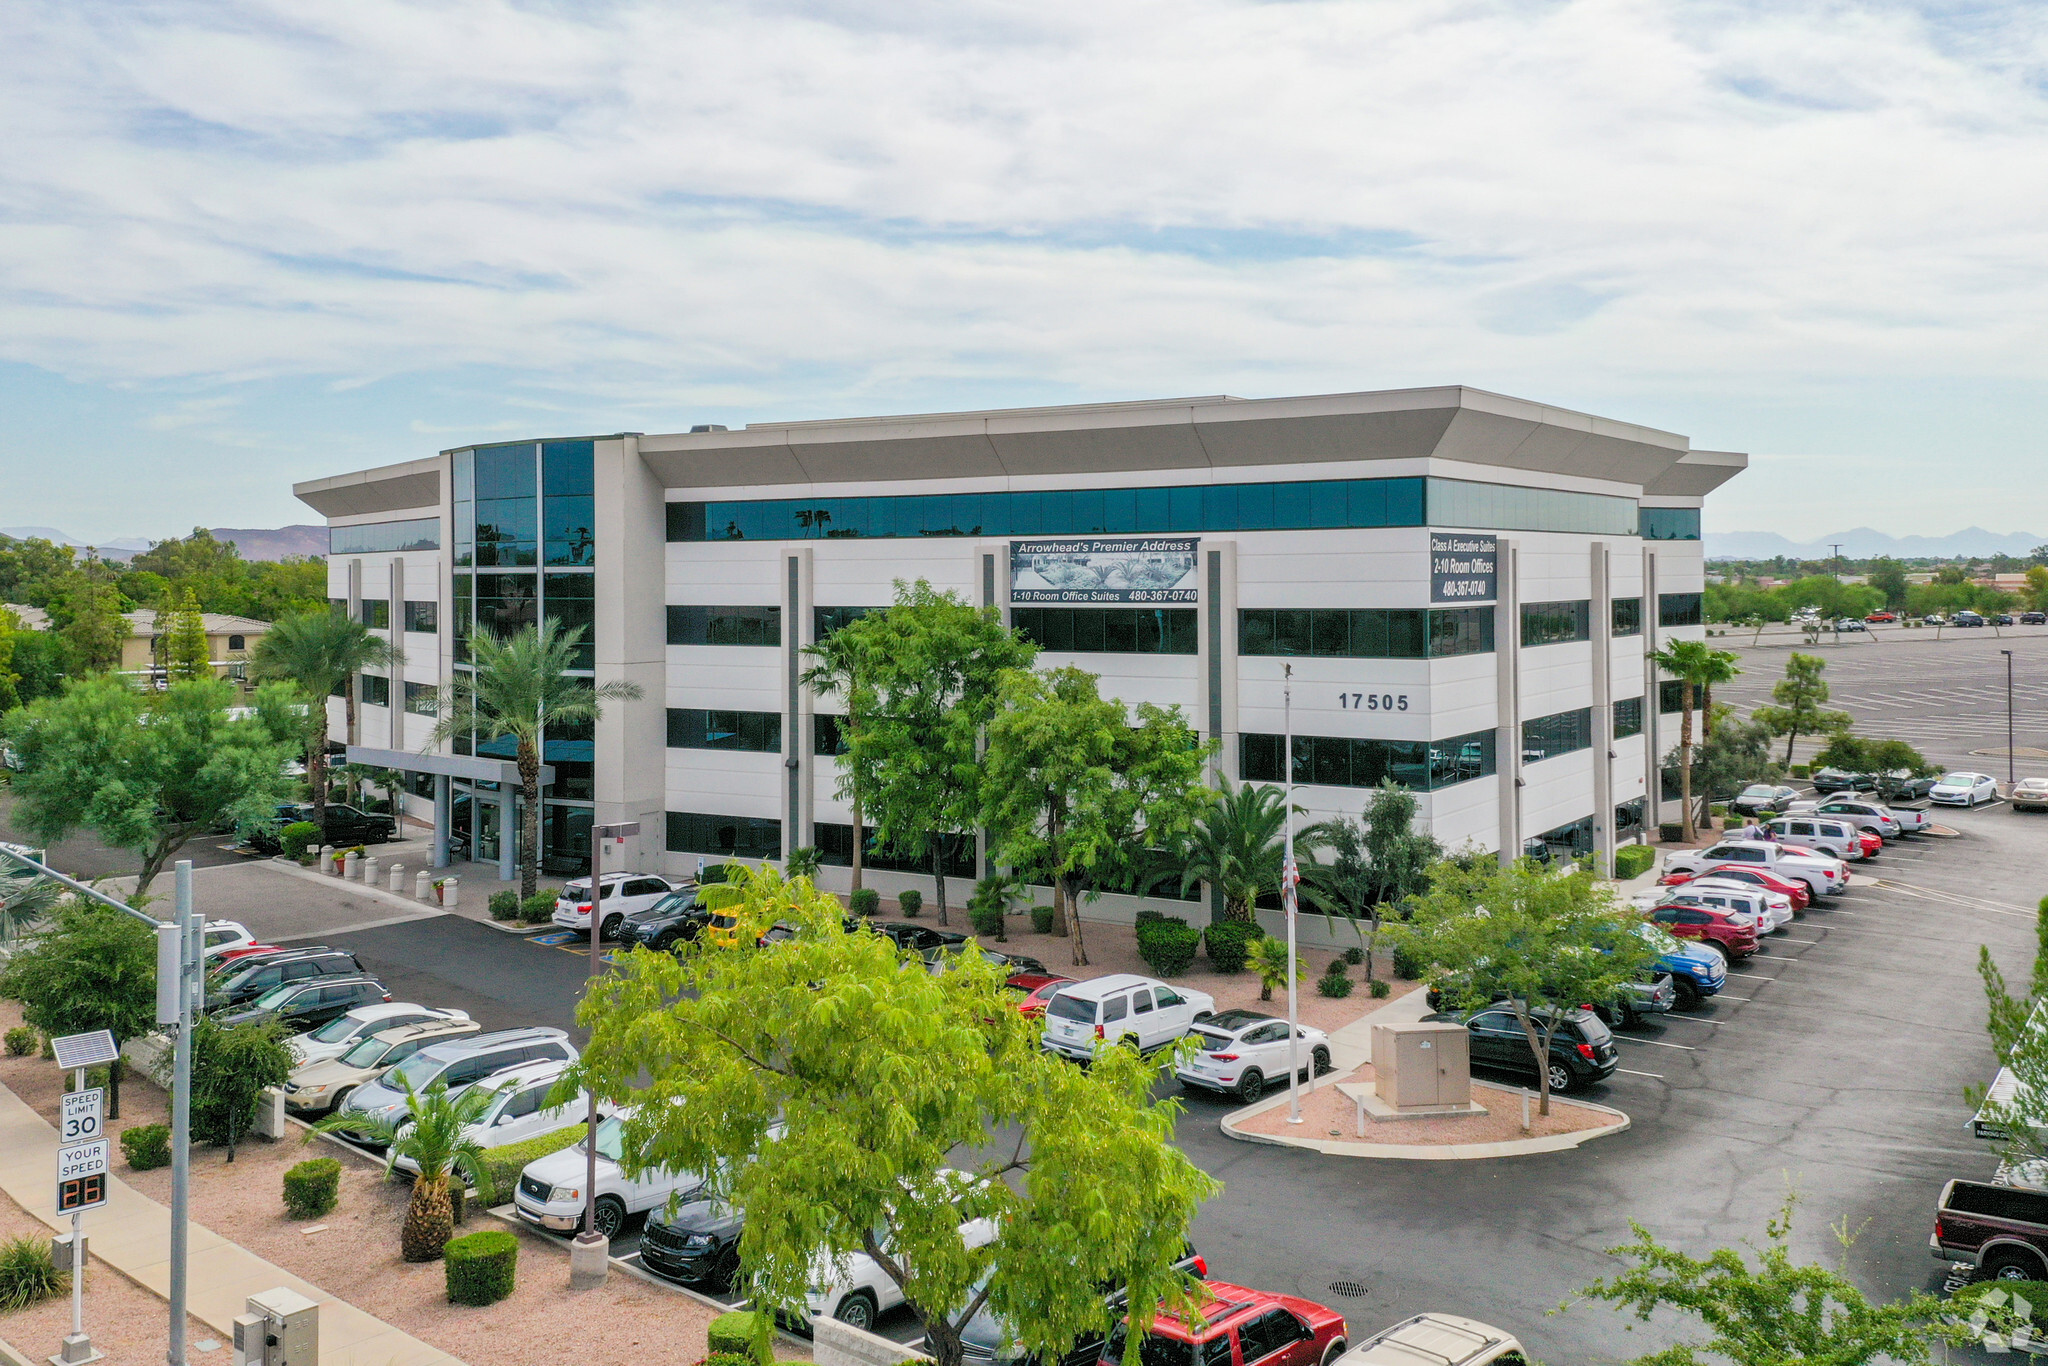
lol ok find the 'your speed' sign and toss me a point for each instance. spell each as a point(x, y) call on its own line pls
point(82, 1176)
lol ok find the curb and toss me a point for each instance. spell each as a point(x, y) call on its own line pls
point(421, 909)
point(1420, 1152)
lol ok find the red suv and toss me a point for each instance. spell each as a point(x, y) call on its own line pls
point(1735, 938)
point(1238, 1327)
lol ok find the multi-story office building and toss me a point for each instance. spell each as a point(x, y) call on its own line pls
point(1464, 588)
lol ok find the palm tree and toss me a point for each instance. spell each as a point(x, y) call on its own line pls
point(435, 1135)
point(838, 673)
point(322, 651)
point(520, 686)
point(1695, 664)
point(1239, 844)
point(1267, 957)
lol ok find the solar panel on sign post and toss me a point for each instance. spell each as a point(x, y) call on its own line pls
point(85, 1050)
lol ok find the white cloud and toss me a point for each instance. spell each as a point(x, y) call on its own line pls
point(826, 206)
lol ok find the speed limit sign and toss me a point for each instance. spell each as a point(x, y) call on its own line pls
point(82, 1115)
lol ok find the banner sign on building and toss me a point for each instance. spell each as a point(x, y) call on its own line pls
point(1118, 569)
point(1463, 568)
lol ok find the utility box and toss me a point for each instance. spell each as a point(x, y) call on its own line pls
point(1422, 1065)
point(282, 1328)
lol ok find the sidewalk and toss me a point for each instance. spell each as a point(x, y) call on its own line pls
point(131, 1234)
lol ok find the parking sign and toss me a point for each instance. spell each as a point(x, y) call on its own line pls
point(82, 1115)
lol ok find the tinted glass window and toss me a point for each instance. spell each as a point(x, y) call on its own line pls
point(758, 732)
point(1115, 1008)
point(375, 538)
point(1109, 630)
point(1628, 717)
point(1365, 633)
point(1679, 609)
point(1071, 1008)
point(1168, 997)
point(725, 625)
point(1141, 1002)
point(1546, 737)
point(1554, 623)
point(1344, 761)
point(690, 832)
point(1668, 524)
point(1627, 614)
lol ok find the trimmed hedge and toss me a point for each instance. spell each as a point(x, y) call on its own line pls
point(864, 902)
point(1227, 942)
point(481, 1266)
point(1406, 964)
point(147, 1146)
point(537, 908)
point(298, 837)
point(21, 1041)
point(501, 1167)
point(1633, 860)
point(1041, 920)
point(987, 920)
point(1168, 944)
point(735, 1334)
point(504, 905)
point(910, 902)
point(312, 1188)
point(728, 1359)
point(713, 872)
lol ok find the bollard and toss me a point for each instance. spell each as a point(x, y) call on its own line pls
point(448, 890)
point(327, 859)
point(349, 870)
point(423, 886)
point(397, 879)
point(370, 870)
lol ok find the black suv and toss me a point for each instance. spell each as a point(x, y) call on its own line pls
point(345, 827)
point(698, 1245)
point(668, 923)
point(246, 979)
point(1582, 1050)
point(307, 1005)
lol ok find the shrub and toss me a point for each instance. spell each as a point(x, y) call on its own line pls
point(1802, 771)
point(21, 1041)
point(1227, 942)
point(27, 1274)
point(312, 1187)
point(1168, 944)
point(501, 1166)
point(1147, 916)
point(801, 863)
point(504, 905)
point(910, 902)
point(1337, 968)
point(1670, 831)
point(987, 919)
point(298, 837)
point(735, 1334)
point(1406, 964)
point(728, 1359)
point(1633, 860)
point(1377, 989)
point(481, 1266)
point(147, 1146)
point(537, 908)
point(1041, 919)
point(2035, 1293)
point(1334, 983)
point(1354, 955)
point(712, 873)
point(865, 902)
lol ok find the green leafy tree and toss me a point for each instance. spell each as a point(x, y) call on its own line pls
point(10, 681)
point(41, 662)
point(1697, 666)
point(519, 687)
point(1888, 577)
point(93, 968)
point(1736, 754)
point(433, 1133)
point(1375, 864)
point(935, 666)
point(1238, 844)
point(1763, 1309)
point(187, 655)
point(1801, 697)
point(232, 1066)
point(1854, 754)
point(147, 772)
point(1833, 597)
point(1540, 940)
point(2019, 1037)
point(321, 651)
point(1075, 791)
point(93, 626)
point(841, 668)
point(2037, 588)
point(835, 1094)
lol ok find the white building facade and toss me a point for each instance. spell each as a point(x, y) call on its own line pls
point(1465, 587)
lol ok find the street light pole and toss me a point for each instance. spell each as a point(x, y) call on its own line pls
point(1838, 579)
point(1289, 876)
point(2011, 759)
point(590, 1258)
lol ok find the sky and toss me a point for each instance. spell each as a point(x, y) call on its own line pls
point(244, 243)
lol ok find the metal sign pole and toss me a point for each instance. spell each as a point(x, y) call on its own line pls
point(78, 1337)
point(189, 987)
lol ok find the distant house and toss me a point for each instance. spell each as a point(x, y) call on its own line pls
point(31, 618)
point(229, 639)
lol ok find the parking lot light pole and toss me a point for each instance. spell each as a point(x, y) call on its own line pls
point(590, 1258)
point(2011, 760)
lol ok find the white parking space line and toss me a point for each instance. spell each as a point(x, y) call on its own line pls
point(1657, 1076)
point(1808, 942)
point(1685, 1019)
point(1658, 1043)
point(1743, 999)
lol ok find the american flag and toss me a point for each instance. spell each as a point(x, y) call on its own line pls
point(1290, 878)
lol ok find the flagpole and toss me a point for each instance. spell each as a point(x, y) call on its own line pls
point(1289, 875)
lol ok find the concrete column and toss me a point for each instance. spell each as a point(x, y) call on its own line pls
point(1507, 736)
point(797, 628)
point(443, 809)
point(508, 832)
point(1653, 707)
point(631, 644)
point(355, 612)
point(397, 635)
point(1603, 710)
point(985, 574)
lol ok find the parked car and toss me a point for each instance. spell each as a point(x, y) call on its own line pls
point(1861, 812)
point(1032, 1004)
point(460, 1063)
point(940, 958)
point(300, 1006)
point(1123, 1006)
point(1966, 618)
point(1792, 888)
point(2004, 619)
point(1823, 876)
point(2030, 794)
point(337, 1036)
point(1880, 617)
point(519, 1109)
point(1850, 624)
point(2034, 618)
point(987, 1340)
point(1829, 780)
point(551, 1189)
point(216, 962)
point(1770, 911)
point(674, 920)
point(1899, 785)
point(1916, 818)
point(1963, 788)
point(1732, 932)
point(1763, 798)
point(858, 1291)
point(697, 1244)
point(917, 939)
point(238, 983)
point(1655, 993)
point(1438, 1340)
point(225, 936)
point(621, 895)
point(2003, 1230)
point(318, 1086)
point(1241, 1050)
point(1582, 1050)
point(1837, 838)
point(1696, 971)
point(344, 827)
point(1235, 1324)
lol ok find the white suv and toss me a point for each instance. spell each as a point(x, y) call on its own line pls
point(520, 1110)
point(857, 1291)
point(1842, 839)
point(1142, 1010)
point(1440, 1340)
point(551, 1193)
point(621, 895)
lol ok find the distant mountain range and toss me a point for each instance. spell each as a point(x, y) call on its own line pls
point(1863, 543)
point(254, 543)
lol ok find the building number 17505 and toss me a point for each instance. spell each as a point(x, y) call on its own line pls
point(1372, 701)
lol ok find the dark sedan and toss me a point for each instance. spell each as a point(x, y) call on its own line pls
point(919, 939)
point(1764, 798)
point(667, 924)
point(1582, 1051)
point(1836, 780)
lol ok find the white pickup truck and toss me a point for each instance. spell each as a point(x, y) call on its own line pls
point(1823, 876)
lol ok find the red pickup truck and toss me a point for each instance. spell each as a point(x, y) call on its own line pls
point(2003, 1229)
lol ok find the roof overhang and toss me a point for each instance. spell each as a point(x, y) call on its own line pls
point(465, 766)
point(1697, 474)
point(388, 488)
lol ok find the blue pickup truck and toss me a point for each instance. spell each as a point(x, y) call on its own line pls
point(1697, 971)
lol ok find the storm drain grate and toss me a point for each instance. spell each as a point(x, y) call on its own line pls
point(1350, 1290)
